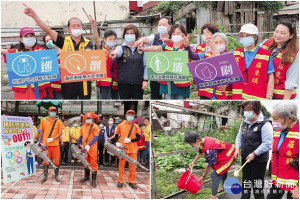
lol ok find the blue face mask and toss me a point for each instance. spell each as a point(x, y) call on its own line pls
point(162, 30)
point(129, 38)
point(50, 44)
point(248, 114)
point(247, 41)
point(52, 114)
point(111, 44)
point(129, 118)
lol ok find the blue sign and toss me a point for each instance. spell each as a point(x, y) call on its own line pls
point(32, 67)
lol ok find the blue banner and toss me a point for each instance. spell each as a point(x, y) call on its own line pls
point(32, 67)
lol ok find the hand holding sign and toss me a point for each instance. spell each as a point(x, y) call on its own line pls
point(29, 11)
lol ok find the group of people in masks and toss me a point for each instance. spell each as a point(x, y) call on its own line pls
point(256, 137)
point(89, 137)
point(271, 65)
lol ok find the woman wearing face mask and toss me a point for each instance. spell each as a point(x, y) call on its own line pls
point(284, 52)
point(285, 150)
point(256, 66)
point(55, 85)
point(109, 86)
point(74, 42)
point(179, 89)
point(207, 31)
point(28, 42)
point(101, 140)
point(132, 66)
point(255, 140)
point(217, 44)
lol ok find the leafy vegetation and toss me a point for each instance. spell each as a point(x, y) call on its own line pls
point(166, 182)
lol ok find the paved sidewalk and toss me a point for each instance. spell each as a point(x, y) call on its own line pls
point(70, 186)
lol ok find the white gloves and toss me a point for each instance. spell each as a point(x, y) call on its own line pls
point(127, 140)
point(87, 148)
point(118, 144)
point(49, 140)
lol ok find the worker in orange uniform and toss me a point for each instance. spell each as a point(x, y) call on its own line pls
point(89, 133)
point(129, 134)
point(50, 132)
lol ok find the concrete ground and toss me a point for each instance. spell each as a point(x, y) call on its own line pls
point(70, 186)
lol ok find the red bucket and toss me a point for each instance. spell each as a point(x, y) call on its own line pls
point(189, 182)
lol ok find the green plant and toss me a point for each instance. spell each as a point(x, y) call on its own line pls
point(270, 7)
point(168, 7)
point(166, 182)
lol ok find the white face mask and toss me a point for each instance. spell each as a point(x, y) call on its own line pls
point(278, 126)
point(88, 121)
point(176, 38)
point(110, 122)
point(203, 38)
point(75, 125)
point(221, 48)
point(101, 125)
point(29, 41)
point(76, 32)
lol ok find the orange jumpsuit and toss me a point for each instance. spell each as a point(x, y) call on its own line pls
point(123, 130)
point(86, 139)
point(53, 147)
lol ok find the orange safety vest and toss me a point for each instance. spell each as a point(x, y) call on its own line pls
point(208, 92)
point(224, 159)
point(256, 76)
point(283, 174)
point(24, 88)
point(108, 80)
point(280, 72)
point(169, 47)
point(200, 48)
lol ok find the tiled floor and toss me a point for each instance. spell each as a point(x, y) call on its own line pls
point(71, 187)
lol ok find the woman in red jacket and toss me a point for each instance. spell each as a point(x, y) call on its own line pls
point(28, 42)
point(141, 144)
point(284, 51)
point(285, 150)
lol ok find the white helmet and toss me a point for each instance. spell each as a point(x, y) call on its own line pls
point(250, 29)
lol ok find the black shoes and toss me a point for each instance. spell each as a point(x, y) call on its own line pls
point(56, 174)
point(120, 184)
point(133, 186)
point(46, 167)
point(86, 175)
point(94, 175)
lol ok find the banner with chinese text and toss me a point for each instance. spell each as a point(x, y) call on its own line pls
point(76, 66)
point(17, 159)
point(167, 66)
point(214, 71)
point(32, 67)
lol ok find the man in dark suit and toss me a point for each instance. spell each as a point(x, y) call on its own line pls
point(110, 131)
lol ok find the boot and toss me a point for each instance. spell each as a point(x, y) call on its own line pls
point(46, 167)
point(56, 174)
point(86, 175)
point(94, 175)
